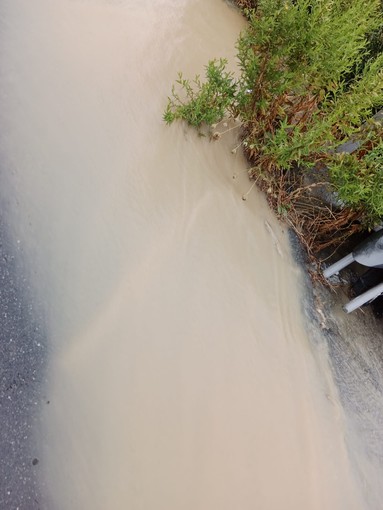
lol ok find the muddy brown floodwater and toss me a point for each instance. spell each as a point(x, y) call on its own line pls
point(180, 375)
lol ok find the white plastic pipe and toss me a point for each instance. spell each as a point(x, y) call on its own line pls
point(335, 268)
point(364, 298)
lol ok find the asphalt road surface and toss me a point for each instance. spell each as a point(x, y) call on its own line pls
point(22, 366)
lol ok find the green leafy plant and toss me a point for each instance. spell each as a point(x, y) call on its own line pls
point(294, 57)
point(310, 74)
point(203, 102)
point(358, 179)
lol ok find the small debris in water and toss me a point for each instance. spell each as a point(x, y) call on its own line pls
point(274, 238)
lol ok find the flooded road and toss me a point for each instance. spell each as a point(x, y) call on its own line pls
point(179, 374)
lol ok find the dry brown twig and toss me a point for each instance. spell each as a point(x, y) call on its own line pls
point(317, 225)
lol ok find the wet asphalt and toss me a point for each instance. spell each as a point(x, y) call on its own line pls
point(22, 369)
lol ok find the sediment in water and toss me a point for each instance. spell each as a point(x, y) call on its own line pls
point(180, 374)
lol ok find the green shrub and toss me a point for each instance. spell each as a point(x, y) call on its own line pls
point(203, 102)
point(298, 94)
point(358, 179)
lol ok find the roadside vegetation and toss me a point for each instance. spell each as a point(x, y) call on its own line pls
point(310, 78)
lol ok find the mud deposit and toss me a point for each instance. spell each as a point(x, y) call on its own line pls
point(179, 373)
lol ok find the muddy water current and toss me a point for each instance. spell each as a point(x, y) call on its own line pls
point(179, 372)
